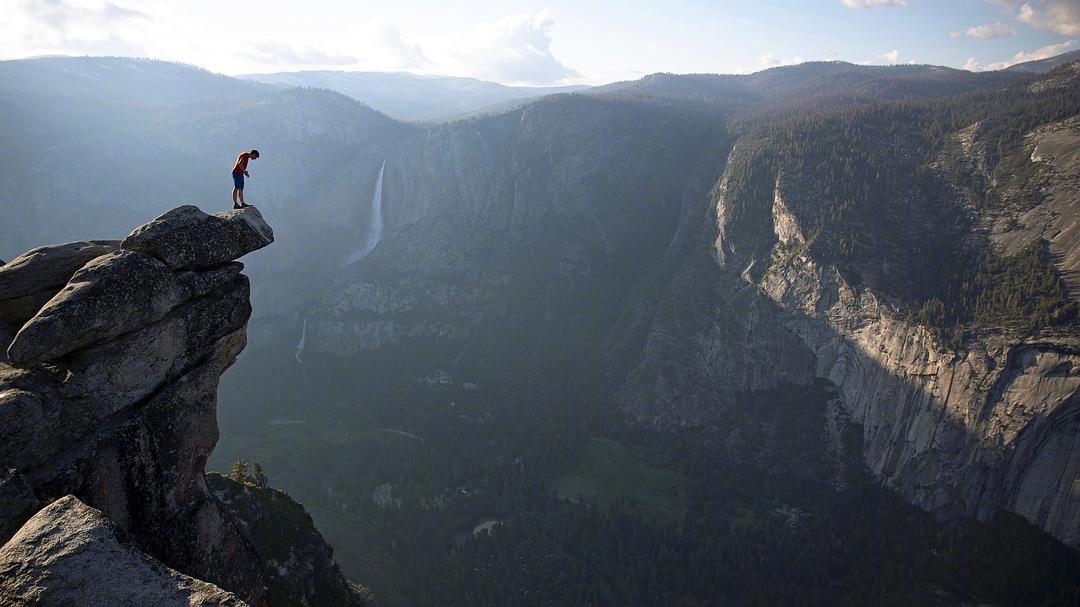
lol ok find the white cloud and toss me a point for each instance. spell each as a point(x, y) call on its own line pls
point(1006, 5)
point(406, 54)
point(1043, 53)
point(990, 30)
point(1057, 16)
point(770, 60)
point(861, 4)
point(515, 49)
point(292, 56)
point(67, 15)
point(892, 57)
point(80, 25)
point(971, 65)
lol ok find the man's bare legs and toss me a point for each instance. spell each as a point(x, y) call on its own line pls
point(238, 193)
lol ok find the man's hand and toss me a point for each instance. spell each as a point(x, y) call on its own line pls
point(246, 174)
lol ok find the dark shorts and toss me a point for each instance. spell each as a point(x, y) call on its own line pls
point(238, 180)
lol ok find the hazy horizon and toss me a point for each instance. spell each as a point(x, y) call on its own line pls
point(255, 75)
point(544, 43)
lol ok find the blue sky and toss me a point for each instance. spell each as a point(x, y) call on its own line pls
point(543, 41)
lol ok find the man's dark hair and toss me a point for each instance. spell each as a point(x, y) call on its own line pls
point(255, 153)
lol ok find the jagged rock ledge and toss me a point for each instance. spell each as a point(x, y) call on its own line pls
point(72, 554)
point(108, 389)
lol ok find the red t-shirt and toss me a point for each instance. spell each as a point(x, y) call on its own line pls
point(241, 162)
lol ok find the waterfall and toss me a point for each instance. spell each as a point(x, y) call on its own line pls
point(374, 235)
point(375, 228)
point(300, 344)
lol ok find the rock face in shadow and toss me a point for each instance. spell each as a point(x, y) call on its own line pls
point(958, 432)
point(72, 554)
point(31, 279)
point(109, 395)
point(475, 219)
point(299, 566)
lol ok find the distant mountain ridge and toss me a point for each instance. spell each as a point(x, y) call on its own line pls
point(815, 83)
point(1041, 66)
point(119, 80)
point(413, 97)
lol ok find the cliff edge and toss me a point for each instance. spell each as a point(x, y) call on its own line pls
point(112, 352)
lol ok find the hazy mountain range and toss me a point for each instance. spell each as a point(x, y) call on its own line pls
point(414, 97)
point(421, 98)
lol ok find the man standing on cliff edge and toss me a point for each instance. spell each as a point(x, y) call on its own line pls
point(238, 173)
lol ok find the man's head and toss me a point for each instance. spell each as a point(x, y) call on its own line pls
point(254, 153)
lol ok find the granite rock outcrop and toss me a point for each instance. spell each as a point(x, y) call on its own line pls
point(72, 554)
point(108, 412)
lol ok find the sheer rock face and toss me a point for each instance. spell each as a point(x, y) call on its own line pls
point(17, 501)
point(72, 554)
point(960, 433)
point(1055, 149)
point(110, 396)
point(708, 340)
point(972, 432)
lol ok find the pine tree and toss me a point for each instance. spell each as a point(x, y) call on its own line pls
point(239, 471)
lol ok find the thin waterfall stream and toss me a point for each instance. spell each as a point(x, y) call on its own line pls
point(371, 240)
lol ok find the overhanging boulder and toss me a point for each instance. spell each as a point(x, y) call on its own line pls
point(187, 238)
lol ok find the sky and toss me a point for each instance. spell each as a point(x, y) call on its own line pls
point(542, 42)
